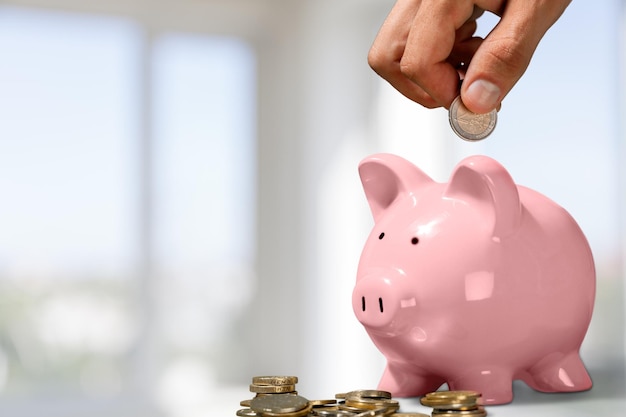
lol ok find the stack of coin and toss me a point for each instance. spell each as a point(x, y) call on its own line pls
point(276, 396)
point(454, 404)
point(368, 403)
point(274, 384)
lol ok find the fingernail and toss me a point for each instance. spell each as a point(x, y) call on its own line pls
point(482, 96)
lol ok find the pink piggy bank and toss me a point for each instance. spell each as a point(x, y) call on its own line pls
point(474, 283)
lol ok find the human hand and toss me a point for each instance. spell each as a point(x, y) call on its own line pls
point(425, 46)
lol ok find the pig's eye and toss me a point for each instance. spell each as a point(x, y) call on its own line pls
point(382, 235)
point(415, 241)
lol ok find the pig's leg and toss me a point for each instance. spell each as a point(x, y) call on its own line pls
point(496, 385)
point(401, 381)
point(559, 373)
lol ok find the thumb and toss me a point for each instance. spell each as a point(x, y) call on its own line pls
point(502, 58)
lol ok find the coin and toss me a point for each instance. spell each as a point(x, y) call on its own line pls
point(373, 405)
point(375, 413)
point(478, 412)
point(246, 412)
point(333, 413)
point(346, 407)
point(300, 413)
point(369, 393)
point(275, 380)
point(455, 400)
point(322, 403)
point(454, 394)
point(317, 409)
point(471, 126)
point(279, 404)
point(272, 389)
point(453, 403)
point(453, 406)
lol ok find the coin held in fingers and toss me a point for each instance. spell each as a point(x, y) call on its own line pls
point(471, 126)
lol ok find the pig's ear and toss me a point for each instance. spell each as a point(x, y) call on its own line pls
point(481, 180)
point(385, 177)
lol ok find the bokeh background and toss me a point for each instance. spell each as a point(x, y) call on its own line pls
point(180, 207)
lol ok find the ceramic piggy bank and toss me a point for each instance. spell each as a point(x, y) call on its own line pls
point(474, 283)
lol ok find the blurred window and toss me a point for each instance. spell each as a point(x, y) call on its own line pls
point(68, 215)
point(74, 261)
point(204, 202)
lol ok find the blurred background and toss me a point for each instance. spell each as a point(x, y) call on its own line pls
point(180, 208)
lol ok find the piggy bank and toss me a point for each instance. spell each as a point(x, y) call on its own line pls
point(475, 282)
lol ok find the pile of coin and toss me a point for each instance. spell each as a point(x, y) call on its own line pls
point(276, 396)
point(365, 403)
point(454, 404)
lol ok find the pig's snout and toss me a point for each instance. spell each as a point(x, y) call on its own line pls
point(376, 300)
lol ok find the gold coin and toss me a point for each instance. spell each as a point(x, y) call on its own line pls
point(452, 397)
point(372, 404)
point(325, 407)
point(300, 413)
point(454, 407)
point(275, 380)
point(471, 126)
point(346, 407)
point(319, 403)
point(332, 412)
point(479, 412)
point(454, 394)
point(279, 404)
point(369, 393)
point(435, 402)
point(272, 389)
point(375, 413)
point(449, 405)
point(247, 412)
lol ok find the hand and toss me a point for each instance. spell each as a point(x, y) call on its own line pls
point(425, 46)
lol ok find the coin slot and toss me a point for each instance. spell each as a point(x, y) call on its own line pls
point(363, 303)
point(380, 304)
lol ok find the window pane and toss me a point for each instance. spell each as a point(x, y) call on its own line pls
point(204, 132)
point(204, 202)
point(67, 212)
point(67, 128)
